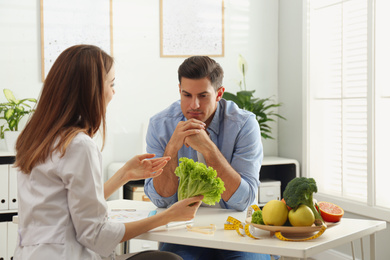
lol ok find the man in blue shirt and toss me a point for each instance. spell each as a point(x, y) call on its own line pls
point(206, 128)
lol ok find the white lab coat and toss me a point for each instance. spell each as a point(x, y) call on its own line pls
point(62, 211)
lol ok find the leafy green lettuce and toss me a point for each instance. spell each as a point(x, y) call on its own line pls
point(198, 179)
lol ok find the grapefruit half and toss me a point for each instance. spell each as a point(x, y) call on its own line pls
point(330, 212)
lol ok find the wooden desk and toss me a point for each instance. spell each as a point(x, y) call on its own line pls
point(346, 231)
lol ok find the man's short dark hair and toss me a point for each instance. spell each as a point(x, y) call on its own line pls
point(198, 67)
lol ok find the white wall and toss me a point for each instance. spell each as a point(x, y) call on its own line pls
point(290, 79)
point(145, 83)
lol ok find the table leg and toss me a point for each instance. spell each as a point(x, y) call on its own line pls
point(372, 246)
point(353, 250)
point(126, 247)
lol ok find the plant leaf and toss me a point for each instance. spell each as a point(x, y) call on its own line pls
point(242, 65)
point(19, 109)
point(12, 124)
point(8, 114)
point(248, 93)
point(9, 95)
point(232, 97)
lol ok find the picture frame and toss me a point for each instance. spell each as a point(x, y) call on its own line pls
point(191, 27)
point(71, 22)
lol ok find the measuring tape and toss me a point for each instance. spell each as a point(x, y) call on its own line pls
point(242, 228)
point(279, 235)
point(248, 229)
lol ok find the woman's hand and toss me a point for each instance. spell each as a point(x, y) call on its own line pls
point(137, 168)
point(184, 210)
point(180, 211)
point(142, 167)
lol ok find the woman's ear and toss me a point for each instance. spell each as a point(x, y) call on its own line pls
point(220, 92)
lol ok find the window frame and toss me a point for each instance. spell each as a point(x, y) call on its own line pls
point(368, 209)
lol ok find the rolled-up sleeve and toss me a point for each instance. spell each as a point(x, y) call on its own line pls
point(159, 201)
point(82, 178)
point(246, 160)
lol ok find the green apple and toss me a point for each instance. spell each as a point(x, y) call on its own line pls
point(303, 216)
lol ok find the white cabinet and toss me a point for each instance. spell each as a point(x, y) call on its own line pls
point(12, 188)
point(8, 238)
point(3, 241)
point(3, 187)
point(8, 188)
point(269, 190)
point(275, 170)
point(8, 185)
point(138, 245)
point(8, 206)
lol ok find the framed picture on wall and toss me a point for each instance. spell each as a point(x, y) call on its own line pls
point(191, 27)
point(71, 22)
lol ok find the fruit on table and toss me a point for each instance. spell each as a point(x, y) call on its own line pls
point(330, 212)
point(275, 213)
point(303, 216)
point(284, 201)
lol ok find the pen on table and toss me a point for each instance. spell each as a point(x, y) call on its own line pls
point(178, 223)
point(123, 210)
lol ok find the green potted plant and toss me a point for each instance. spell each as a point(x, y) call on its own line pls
point(12, 112)
point(263, 108)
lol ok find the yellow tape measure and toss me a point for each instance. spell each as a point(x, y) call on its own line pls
point(249, 230)
point(241, 228)
point(234, 224)
point(279, 235)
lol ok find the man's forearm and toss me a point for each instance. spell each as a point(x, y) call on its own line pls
point(166, 184)
point(230, 177)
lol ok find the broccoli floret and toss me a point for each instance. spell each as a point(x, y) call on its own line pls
point(300, 191)
point(257, 217)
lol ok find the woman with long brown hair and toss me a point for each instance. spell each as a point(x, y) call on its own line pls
point(62, 208)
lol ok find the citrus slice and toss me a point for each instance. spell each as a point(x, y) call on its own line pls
point(330, 212)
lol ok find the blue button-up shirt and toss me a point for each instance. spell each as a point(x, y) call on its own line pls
point(234, 131)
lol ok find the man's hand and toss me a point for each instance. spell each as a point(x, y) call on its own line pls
point(199, 142)
point(183, 130)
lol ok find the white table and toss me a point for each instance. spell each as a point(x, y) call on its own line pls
point(346, 231)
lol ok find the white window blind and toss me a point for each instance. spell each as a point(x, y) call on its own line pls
point(349, 99)
point(338, 100)
point(382, 103)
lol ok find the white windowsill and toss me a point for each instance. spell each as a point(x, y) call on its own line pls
point(356, 207)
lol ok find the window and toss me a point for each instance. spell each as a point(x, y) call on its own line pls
point(348, 103)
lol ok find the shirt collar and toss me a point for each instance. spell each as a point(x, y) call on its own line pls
point(214, 125)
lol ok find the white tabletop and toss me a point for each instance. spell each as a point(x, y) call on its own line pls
point(344, 232)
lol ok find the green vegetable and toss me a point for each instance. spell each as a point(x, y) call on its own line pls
point(300, 191)
point(198, 179)
point(257, 217)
